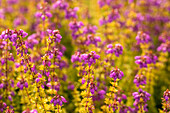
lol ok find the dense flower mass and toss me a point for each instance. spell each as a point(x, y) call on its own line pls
point(141, 97)
point(116, 74)
point(58, 100)
point(164, 47)
point(142, 38)
point(89, 58)
point(84, 56)
point(118, 49)
point(142, 61)
point(54, 35)
point(139, 80)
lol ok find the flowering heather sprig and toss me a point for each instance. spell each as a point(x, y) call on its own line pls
point(90, 88)
point(54, 35)
point(116, 74)
point(99, 96)
point(71, 13)
point(110, 100)
point(164, 47)
point(113, 15)
point(31, 41)
point(75, 27)
point(103, 21)
point(142, 61)
point(119, 96)
point(114, 97)
point(104, 2)
point(16, 37)
point(44, 11)
point(89, 85)
point(91, 39)
point(164, 37)
point(19, 21)
point(142, 38)
point(141, 97)
point(76, 57)
point(139, 80)
point(89, 58)
point(118, 49)
point(153, 58)
point(58, 100)
point(166, 101)
point(89, 29)
point(21, 84)
point(61, 4)
point(110, 49)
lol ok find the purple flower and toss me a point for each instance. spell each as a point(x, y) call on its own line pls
point(110, 49)
point(89, 58)
point(100, 95)
point(54, 35)
point(153, 58)
point(58, 100)
point(91, 39)
point(103, 21)
point(70, 86)
point(71, 13)
point(142, 61)
point(10, 98)
point(113, 15)
point(164, 37)
point(164, 47)
point(75, 27)
point(75, 57)
point(1, 85)
point(93, 87)
point(89, 29)
point(118, 50)
point(48, 14)
point(142, 38)
point(20, 21)
point(2, 61)
point(139, 80)
point(62, 5)
point(101, 3)
point(31, 41)
point(104, 2)
point(45, 12)
point(7, 34)
point(21, 84)
point(83, 81)
point(116, 74)
point(141, 97)
point(38, 14)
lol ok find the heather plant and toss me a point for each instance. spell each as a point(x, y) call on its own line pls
point(84, 56)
